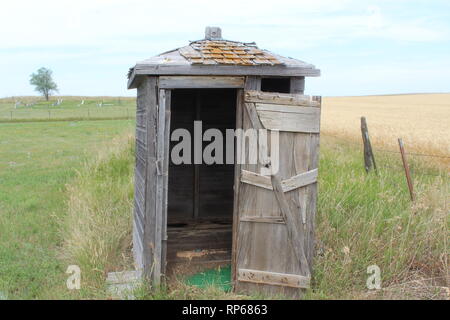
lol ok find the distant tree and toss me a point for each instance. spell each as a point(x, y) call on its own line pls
point(43, 82)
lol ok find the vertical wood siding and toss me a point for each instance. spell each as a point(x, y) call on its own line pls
point(264, 245)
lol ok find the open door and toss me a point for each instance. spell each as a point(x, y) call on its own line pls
point(277, 203)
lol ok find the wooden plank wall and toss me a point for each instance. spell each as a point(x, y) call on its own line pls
point(195, 82)
point(145, 173)
point(151, 179)
point(140, 175)
point(181, 177)
point(213, 183)
point(218, 111)
point(298, 85)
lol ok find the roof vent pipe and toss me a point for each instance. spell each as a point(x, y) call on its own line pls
point(213, 33)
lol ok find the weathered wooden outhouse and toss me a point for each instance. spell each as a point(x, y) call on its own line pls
point(257, 217)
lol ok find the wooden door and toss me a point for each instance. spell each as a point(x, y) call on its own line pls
point(276, 210)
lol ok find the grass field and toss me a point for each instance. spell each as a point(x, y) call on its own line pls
point(70, 108)
point(52, 216)
point(37, 161)
point(362, 220)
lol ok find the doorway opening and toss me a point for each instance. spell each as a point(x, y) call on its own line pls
point(200, 196)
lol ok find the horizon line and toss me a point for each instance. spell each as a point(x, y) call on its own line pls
point(133, 96)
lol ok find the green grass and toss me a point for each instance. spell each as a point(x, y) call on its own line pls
point(70, 109)
point(363, 219)
point(97, 226)
point(66, 190)
point(37, 161)
point(369, 219)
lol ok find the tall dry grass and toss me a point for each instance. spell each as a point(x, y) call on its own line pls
point(362, 220)
point(97, 227)
point(368, 220)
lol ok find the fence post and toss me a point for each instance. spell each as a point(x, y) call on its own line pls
point(89, 114)
point(369, 158)
point(11, 115)
point(407, 172)
point(49, 114)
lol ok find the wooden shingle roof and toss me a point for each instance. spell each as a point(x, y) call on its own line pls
point(220, 57)
point(212, 52)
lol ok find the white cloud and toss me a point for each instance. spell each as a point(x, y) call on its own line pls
point(90, 35)
point(108, 22)
point(89, 22)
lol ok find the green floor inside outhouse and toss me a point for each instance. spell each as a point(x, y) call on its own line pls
point(219, 277)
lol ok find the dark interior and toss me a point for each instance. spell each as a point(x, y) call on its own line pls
point(282, 85)
point(200, 196)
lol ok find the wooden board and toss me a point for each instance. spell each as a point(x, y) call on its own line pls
point(300, 180)
point(297, 85)
point(256, 179)
point(219, 70)
point(163, 179)
point(295, 235)
point(273, 278)
point(280, 98)
point(275, 234)
point(262, 219)
point(271, 107)
point(196, 240)
point(186, 82)
point(307, 122)
point(292, 183)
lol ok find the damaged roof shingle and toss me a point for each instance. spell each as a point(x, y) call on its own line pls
point(227, 53)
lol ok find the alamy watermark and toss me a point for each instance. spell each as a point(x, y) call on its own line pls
point(374, 280)
point(74, 280)
point(235, 146)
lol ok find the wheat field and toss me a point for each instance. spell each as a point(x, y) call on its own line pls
point(422, 120)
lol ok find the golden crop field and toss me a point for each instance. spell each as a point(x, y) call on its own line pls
point(422, 120)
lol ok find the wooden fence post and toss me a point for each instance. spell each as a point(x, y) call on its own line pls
point(369, 158)
point(407, 172)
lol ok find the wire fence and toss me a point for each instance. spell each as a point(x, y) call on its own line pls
point(414, 154)
point(398, 166)
point(417, 167)
point(67, 114)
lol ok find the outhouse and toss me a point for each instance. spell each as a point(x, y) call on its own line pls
point(257, 216)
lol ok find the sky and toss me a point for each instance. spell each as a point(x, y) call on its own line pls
point(361, 47)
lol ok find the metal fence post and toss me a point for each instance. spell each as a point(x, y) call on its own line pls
point(407, 172)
